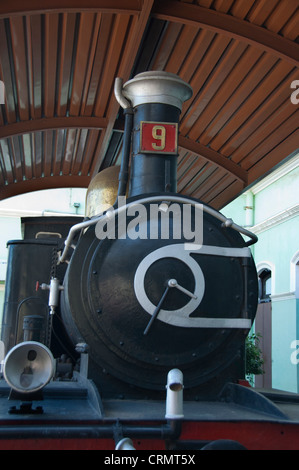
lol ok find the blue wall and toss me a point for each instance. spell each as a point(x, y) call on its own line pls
point(275, 220)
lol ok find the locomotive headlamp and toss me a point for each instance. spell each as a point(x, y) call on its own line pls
point(28, 367)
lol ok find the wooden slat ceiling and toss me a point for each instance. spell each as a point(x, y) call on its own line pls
point(61, 124)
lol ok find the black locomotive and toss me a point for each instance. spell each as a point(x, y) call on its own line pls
point(151, 283)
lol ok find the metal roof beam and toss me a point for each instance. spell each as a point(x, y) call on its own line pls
point(37, 184)
point(34, 125)
point(25, 7)
point(214, 157)
point(176, 11)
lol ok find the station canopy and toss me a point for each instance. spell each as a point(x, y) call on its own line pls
point(61, 124)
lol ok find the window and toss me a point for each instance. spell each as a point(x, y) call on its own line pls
point(265, 285)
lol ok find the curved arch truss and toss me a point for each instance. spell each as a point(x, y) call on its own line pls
point(60, 123)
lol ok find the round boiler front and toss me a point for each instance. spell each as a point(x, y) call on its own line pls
point(147, 300)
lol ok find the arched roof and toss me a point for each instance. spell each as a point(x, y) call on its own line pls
point(61, 124)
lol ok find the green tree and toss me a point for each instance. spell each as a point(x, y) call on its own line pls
point(254, 358)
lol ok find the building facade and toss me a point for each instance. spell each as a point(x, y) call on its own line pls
point(270, 209)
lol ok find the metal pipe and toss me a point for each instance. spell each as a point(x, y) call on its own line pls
point(128, 111)
point(118, 92)
point(73, 230)
point(226, 222)
point(174, 395)
point(124, 166)
point(249, 209)
point(170, 430)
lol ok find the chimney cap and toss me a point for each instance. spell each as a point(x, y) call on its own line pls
point(157, 87)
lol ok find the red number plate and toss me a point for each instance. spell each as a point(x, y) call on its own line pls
point(158, 137)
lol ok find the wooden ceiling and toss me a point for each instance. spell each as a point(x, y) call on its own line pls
point(61, 124)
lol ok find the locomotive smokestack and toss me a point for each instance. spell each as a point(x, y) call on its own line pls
point(156, 99)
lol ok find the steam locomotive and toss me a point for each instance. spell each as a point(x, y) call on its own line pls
point(127, 329)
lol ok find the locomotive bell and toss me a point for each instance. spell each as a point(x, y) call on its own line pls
point(28, 367)
point(102, 191)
